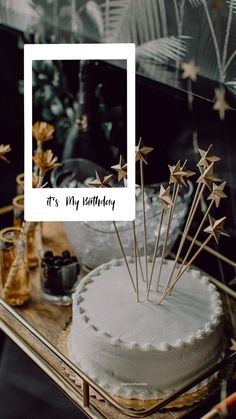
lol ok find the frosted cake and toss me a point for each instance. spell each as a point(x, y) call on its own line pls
point(144, 350)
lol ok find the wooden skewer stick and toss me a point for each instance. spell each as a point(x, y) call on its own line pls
point(196, 236)
point(124, 255)
point(186, 267)
point(144, 221)
point(174, 200)
point(155, 250)
point(138, 255)
point(186, 230)
point(136, 260)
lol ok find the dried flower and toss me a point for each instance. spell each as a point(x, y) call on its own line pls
point(35, 181)
point(45, 161)
point(3, 150)
point(42, 131)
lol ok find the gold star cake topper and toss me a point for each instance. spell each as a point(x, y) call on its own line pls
point(216, 228)
point(141, 151)
point(220, 103)
point(165, 197)
point(101, 181)
point(217, 193)
point(190, 70)
point(206, 158)
point(207, 177)
point(121, 168)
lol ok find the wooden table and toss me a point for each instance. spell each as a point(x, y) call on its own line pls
point(35, 328)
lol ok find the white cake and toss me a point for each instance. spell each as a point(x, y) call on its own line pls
point(144, 350)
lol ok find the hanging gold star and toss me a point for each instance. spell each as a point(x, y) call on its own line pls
point(165, 197)
point(121, 168)
point(190, 70)
point(220, 103)
point(207, 178)
point(233, 347)
point(216, 5)
point(141, 151)
point(216, 228)
point(101, 181)
point(217, 193)
point(176, 174)
point(206, 158)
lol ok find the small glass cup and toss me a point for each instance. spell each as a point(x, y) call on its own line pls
point(20, 178)
point(15, 284)
point(59, 277)
point(18, 205)
point(18, 209)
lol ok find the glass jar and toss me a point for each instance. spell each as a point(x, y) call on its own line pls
point(18, 208)
point(20, 178)
point(14, 274)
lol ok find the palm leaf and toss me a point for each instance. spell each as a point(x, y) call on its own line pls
point(134, 20)
point(113, 14)
point(232, 3)
point(19, 14)
point(163, 50)
point(196, 3)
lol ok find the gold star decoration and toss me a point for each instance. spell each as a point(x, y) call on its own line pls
point(233, 347)
point(165, 197)
point(207, 177)
point(45, 161)
point(216, 5)
point(176, 174)
point(220, 103)
point(3, 150)
point(187, 174)
point(216, 228)
point(42, 131)
point(101, 181)
point(217, 193)
point(141, 151)
point(206, 158)
point(190, 70)
point(121, 168)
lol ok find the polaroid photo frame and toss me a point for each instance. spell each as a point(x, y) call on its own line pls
point(75, 204)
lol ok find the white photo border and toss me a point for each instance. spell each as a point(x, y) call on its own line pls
point(36, 208)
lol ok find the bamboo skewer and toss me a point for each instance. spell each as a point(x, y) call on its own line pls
point(174, 200)
point(138, 256)
point(136, 261)
point(144, 222)
point(185, 268)
point(186, 230)
point(155, 251)
point(196, 235)
point(124, 255)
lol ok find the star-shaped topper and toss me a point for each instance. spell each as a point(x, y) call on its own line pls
point(233, 347)
point(190, 70)
point(220, 103)
point(165, 197)
point(141, 151)
point(207, 177)
point(217, 193)
point(206, 158)
point(178, 174)
point(216, 228)
point(121, 168)
point(101, 181)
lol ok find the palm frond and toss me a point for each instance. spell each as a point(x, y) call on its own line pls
point(163, 49)
point(113, 12)
point(19, 14)
point(233, 4)
point(196, 3)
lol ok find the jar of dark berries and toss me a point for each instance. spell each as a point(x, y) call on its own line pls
point(59, 276)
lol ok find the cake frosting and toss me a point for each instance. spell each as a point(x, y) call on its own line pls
point(141, 349)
